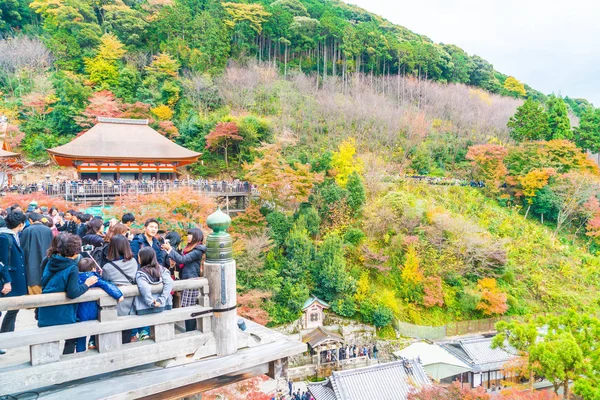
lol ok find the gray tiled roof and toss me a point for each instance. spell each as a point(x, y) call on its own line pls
point(389, 381)
point(479, 354)
point(321, 390)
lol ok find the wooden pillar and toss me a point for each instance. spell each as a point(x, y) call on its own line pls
point(220, 271)
point(221, 279)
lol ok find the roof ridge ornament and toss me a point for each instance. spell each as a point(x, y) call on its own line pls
point(125, 121)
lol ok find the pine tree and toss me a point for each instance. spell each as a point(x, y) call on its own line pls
point(587, 135)
point(356, 192)
point(558, 119)
point(530, 122)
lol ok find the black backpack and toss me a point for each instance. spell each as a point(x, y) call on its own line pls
point(98, 254)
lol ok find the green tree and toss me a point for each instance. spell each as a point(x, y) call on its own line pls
point(530, 122)
point(587, 134)
point(331, 278)
point(519, 336)
point(356, 192)
point(558, 119)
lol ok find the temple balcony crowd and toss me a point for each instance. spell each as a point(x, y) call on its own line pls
point(61, 186)
point(46, 250)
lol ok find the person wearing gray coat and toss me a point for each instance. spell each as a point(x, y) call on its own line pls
point(151, 274)
point(120, 269)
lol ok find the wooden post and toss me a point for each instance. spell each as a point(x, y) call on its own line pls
point(219, 269)
point(108, 309)
point(222, 280)
point(163, 332)
point(278, 369)
point(44, 353)
point(108, 342)
point(203, 324)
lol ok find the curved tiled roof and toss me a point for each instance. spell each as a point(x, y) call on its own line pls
point(319, 336)
point(391, 381)
point(119, 138)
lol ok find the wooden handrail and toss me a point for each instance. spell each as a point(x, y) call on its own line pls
point(53, 299)
point(61, 332)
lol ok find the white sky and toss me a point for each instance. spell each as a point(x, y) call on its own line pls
point(549, 44)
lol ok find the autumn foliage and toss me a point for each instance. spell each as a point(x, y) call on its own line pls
point(176, 210)
point(224, 134)
point(493, 300)
point(452, 392)
point(248, 389)
point(101, 104)
point(42, 199)
point(277, 181)
point(488, 164)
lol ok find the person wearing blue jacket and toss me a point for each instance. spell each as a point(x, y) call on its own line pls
point(148, 239)
point(88, 311)
point(62, 275)
point(13, 280)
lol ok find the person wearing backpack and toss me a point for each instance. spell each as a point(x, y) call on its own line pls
point(94, 235)
point(13, 280)
point(120, 269)
point(150, 274)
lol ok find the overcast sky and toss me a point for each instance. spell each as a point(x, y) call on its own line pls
point(549, 44)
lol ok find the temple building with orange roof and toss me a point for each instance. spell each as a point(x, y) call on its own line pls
point(118, 148)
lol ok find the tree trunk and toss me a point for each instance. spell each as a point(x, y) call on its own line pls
point(567, 394)
point(527, 212)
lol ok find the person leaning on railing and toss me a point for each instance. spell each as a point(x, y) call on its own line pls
point(62, 275)
point(120, 269)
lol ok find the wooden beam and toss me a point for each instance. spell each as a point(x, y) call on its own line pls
point(61, 332)
point(151, 382)
point(210, 384)
point(90, 363)
point(53, 299)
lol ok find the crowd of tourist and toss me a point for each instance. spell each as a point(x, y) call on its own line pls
point(44, 250)
point(59, 186)
point(346, 352)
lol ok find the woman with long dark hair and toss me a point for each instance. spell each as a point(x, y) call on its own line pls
point(119, 268)
point(151, 273)
point(189, 264)
point(94, 235)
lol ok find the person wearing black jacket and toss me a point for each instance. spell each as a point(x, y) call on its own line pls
point(82, 227)
point(93, 236)
point(189, 264)
point(13, 281)
point(70, 226)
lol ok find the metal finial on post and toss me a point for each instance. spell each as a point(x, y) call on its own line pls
point(220, 271)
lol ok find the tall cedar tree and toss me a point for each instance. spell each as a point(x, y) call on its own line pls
point(222, 137)
point(587, 135)
point(530, 122)
point(558, 119)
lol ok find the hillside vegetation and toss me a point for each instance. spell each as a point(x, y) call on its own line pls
point(327, 108)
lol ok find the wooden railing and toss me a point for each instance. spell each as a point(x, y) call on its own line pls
point(73, 191)
point(48, 366)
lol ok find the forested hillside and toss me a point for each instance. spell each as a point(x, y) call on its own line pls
point(328, 108)
point(60, 59)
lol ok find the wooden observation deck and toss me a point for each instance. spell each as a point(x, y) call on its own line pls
point(171, 364)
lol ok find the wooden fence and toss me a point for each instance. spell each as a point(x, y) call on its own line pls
point(458, 328)
point(49, 367)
